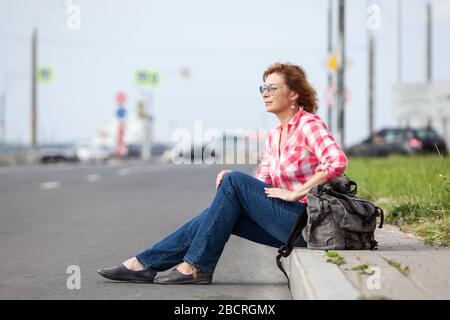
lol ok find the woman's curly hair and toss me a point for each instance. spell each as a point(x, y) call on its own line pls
point(296, 79)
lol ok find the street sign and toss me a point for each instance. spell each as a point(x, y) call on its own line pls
point(44, 75)
point(332, 62)
point(422, 100)
point(121, 98)
point(185, 73)
point(148, 78)
point(421, 104)
point(121, 113)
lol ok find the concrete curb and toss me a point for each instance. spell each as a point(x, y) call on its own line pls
point(403, 267)
point(312, 278)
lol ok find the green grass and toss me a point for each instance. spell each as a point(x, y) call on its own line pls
point(414, 192)
point(334, 257)
point(364, 268)
point(396, 265)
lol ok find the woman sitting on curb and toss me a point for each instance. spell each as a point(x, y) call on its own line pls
point(300, 153)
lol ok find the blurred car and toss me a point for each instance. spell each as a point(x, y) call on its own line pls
point(52, 153)
point(157, 149)
point(11, 154)
point(196, 152)
point(227, 148)
point(91, 153)
point(188, 153)
point(403, 141)
point(12, 149)
point(431, 141)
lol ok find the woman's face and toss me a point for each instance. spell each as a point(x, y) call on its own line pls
point(277, 96)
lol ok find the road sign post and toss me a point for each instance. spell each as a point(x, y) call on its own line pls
point(145, 118)
point(121, 112)
point(148, 80)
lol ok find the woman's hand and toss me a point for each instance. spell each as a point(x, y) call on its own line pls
point(284, 194)
point(220, 176)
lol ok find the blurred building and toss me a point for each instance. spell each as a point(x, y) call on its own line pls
point(106, 135)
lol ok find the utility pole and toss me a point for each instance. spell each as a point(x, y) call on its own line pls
point(429, 62)
point(148, 125)
point(2, 117)
point(145, 117)
point(429, 43)
point(341, 75)
point(371, 81)
point(399, 48)
point(33, 93)
point(371, 66)
point(399, 41)
point(330, 49)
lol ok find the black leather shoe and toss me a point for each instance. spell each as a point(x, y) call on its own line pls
point(176, 277)
point(122, 273)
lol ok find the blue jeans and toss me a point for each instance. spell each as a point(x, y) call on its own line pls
point(240, 207)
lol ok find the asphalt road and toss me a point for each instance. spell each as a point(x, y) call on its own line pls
point(92, 216)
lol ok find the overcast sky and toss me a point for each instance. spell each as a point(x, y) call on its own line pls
point(225, 44)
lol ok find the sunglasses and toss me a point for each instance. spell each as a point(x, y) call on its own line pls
point(271, 88)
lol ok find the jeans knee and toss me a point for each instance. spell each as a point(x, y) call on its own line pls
point(236, 176)
point(231, 179)
point(226, 183)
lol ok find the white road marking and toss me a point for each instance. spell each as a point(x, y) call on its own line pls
point(50, 185)
point(92, 177)
point(154, 168)
point(123, 172)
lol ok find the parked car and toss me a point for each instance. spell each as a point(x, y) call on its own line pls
point(52, 153)
point(404, 141)
point(431, 141)
point(91, 153)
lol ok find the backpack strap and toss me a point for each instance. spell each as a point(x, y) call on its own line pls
point(380, 214)
point(320, 217)
point(373, 245)
point(353, 191)
point(286, 249)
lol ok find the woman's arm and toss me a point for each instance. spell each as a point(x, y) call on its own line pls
point(318, 139)
point(263, 172)
point(317, 179)
point(296, 195)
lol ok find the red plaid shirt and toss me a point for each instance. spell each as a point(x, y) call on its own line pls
point(309, 148)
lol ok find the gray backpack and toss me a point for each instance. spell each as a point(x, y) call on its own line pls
point(337, 220)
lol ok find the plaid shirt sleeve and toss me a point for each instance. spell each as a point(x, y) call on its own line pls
point(263, 173)
point(321, 143)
